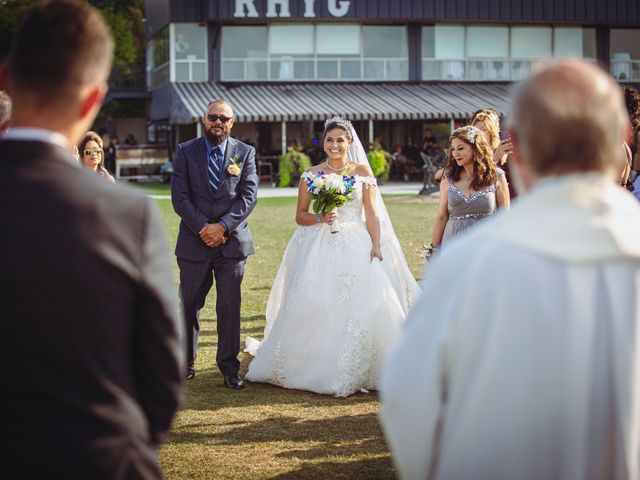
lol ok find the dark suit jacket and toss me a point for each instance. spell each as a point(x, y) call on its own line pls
point(91, 352)
point(196, 205)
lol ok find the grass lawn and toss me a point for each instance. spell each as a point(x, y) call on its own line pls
point(265, 431)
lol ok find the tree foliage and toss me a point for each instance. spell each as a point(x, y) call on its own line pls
point(11, 14)
point(125, 17)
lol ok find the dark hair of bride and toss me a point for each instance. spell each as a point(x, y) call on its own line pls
point(338, 122)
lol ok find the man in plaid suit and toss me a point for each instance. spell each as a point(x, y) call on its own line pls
point(214, 189)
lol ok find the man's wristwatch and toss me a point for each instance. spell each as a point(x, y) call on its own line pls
point(318, 218)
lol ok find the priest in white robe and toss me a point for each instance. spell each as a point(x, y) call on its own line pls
point(521, 360)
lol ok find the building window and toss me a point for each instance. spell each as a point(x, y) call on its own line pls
point(487, 50)
point(158, 65)
point(338, 52)
point(299, 52)
point(291, 52)
point(498, 52)
point(385, 53)
point(624, 54)
point(244, 51)
point(568, 42)
point(189, 49)
point(443, 52)
point(529, 45)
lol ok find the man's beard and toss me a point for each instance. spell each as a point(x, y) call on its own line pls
point(216, 139)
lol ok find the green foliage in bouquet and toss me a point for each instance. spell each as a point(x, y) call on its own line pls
point(379, 159)
point(294, 161)
point(332, 195)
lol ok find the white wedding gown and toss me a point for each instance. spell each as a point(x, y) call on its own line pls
point(333, 313)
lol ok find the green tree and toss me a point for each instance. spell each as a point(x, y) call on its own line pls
point(125, 17)
point(11, 14)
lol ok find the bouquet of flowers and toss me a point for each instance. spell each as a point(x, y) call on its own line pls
point(329, 191)
point(428, 251)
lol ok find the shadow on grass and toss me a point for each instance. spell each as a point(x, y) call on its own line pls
point(206, 392)
point(370, 468)
point(361, 430)
point(346, 437)
point(266, 287)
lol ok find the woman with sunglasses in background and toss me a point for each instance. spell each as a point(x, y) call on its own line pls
point(92, 154)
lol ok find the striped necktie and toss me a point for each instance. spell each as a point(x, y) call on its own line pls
point(214, 168)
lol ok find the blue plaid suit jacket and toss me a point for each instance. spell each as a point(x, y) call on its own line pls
point(196, 205)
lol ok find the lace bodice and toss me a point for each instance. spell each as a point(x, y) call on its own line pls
point(352, 211)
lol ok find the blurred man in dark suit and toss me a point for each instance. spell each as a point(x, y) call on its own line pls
point(91, 348)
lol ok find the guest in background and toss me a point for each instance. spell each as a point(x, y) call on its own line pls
point(632, 102)
point(428, 139)
point(92, 154)
point(399, 165)
point(472, 187)
point(129, 139)
point(110, 153)
point(487, 121)
point(5, 110)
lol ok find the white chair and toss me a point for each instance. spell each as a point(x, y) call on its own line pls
point(429, 171)
point(620, 65)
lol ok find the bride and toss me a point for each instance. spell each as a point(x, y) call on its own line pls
point(339, 300)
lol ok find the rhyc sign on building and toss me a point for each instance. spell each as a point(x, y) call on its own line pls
point(280, 8)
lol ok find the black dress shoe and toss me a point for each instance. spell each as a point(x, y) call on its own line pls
point(233, 381)
point(190, 372)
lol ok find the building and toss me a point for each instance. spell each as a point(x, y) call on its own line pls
point(394, 67)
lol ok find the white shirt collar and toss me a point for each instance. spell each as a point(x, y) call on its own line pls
point(37, 134)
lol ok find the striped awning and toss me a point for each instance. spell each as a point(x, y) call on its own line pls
point(355, 101)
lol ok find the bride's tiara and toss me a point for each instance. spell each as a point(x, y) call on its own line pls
point(338, 120)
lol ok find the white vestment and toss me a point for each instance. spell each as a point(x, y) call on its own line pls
point(521, 360)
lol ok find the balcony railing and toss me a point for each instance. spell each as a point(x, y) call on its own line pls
point(485, 69)
point(292, 69)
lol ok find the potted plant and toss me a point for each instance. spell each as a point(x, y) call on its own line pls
point(292, 164)
point(379, 159)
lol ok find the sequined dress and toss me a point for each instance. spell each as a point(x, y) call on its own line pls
point(465, 211)
point(332, 313)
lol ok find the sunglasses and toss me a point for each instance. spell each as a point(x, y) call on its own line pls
point(89, 151)
point(222, 118)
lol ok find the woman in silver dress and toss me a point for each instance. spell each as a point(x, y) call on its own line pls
point(472, 187)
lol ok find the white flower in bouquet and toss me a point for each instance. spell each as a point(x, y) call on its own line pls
point(334, 181)
point(318, 182)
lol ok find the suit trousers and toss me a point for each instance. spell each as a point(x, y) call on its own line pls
point(196, 279)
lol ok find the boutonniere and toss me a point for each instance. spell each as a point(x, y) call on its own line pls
point(234, 168)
